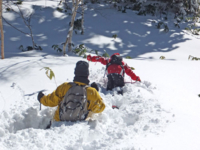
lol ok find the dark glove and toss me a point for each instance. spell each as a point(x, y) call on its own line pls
point(40, 95)
point(94, 85)
point(138, 79)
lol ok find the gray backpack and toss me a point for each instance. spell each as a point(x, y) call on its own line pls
point(74, 105)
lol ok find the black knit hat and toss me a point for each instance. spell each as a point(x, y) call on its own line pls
point(81, 72)
point(82, 68)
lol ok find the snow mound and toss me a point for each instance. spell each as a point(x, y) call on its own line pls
point(139, 114)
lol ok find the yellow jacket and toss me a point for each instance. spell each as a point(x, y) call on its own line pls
point(95, 104)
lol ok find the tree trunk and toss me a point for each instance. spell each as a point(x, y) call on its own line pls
point(2, 34)
point(190, 5)
point(70, 32)
point(82, 14)
point(29, 26)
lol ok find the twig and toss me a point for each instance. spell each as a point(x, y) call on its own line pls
point(29, 21)
point(15, 27)
point(27, 24)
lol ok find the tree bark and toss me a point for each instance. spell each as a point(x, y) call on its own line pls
point(70, 32)
point(2, 34)
point(82, 14)
point(29, 26)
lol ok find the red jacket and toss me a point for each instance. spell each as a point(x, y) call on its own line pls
point(114, 68)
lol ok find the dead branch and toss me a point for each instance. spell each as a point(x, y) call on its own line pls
point(15, 27)
point(27, 23)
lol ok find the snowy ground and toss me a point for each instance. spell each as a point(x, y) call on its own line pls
point(160, 113)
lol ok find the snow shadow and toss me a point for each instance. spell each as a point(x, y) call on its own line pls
point(48, 25)
point(134, 36)
point(23, 66)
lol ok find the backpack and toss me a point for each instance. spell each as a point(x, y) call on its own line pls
point(116, 59)
point(74, 105)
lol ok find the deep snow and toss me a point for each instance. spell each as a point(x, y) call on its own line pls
point(160, 113)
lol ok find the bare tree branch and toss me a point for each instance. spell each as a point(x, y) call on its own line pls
point(15, 27)
point(27, 23)
point(26, 20)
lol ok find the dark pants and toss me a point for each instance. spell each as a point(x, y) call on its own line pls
point(49, 125)
point(115, 80)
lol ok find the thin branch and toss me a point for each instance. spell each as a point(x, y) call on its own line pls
point(27, 23)
point(9, 6)
point(29, 26)
point(15, 27)
point(21, 14)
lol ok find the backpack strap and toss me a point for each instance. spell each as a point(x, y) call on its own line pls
point(72, 84)
point(106, 71)
point(85, 91)
point(85, 97)
point(123, 71)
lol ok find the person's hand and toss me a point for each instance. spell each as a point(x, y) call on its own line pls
point(138, 79)
point(89, 57)
point(40, 95)
point(94, 85)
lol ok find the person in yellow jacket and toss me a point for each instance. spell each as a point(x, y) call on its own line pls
point(95, 103)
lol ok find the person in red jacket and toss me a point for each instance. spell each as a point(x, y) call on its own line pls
point(115, 69)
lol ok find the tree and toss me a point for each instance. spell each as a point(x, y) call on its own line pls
point(70, 32)
point(27, 21)
point(82, 14)
point(1, 30)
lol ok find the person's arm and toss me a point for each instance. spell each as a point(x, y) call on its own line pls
point(130, 73)
point(56, 96)
point(95, 102)
point(97, 59)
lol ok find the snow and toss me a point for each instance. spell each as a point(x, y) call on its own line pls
point(160, 113)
